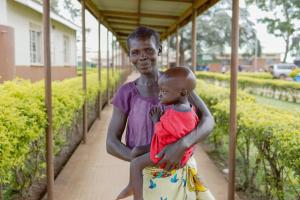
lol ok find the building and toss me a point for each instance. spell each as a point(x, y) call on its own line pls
point(252, 63)
point(21, 42)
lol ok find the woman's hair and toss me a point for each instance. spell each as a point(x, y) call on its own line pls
point(143, 33)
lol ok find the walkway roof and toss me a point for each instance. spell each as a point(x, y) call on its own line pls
point(122, 16)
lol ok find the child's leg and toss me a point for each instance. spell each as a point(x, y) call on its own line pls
point(135, 184)
point(136, 174)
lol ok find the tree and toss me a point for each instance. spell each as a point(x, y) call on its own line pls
point(283, 21)
point(74, 12)
point(68, 5)
point(53, 5)
point(214, 33)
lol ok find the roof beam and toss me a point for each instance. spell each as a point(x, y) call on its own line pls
point(122, 20)
point(124, 29)
point(107, 13)
point(122, 34)
point(136, 24)
point(139, 12)
point(177, 1)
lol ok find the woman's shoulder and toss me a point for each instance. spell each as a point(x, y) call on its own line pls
point(127, 87)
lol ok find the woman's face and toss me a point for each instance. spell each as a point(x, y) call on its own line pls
point(143, 54)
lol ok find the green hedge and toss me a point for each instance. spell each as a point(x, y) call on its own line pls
point(278, 89)
point(260, 75)
point(23, 122)
point(268, 143)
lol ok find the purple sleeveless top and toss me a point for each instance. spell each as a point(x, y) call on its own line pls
point(140, 128)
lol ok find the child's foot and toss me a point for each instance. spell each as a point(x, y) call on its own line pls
point(126, 192)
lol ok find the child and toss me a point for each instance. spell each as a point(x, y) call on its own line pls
point(178, 120)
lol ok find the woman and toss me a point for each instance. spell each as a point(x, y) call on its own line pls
point(132, 104)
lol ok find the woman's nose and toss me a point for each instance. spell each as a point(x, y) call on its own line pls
point(143, 55)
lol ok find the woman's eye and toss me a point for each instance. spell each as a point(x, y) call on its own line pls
point(134, 53)
point(149, 51)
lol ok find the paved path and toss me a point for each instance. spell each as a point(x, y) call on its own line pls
point(92, 174)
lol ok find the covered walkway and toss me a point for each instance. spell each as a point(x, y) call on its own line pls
point(92, 174)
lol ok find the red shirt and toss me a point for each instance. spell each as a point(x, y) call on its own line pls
point(172, 126)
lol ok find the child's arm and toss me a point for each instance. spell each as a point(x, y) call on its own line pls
point(136, 177)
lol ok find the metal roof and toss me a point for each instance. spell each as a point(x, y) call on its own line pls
point(122, 16)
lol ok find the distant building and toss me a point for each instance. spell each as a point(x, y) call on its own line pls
point(21, 42)
point(216, 62)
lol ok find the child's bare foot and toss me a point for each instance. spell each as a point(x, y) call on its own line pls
point(126, 192)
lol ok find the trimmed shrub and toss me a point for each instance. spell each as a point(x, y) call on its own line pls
point(268, 144)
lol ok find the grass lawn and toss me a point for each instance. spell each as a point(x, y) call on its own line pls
point(293, 107)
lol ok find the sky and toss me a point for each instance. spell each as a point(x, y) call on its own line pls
point(270, 43)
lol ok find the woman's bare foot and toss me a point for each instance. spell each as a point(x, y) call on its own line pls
point(126, 192)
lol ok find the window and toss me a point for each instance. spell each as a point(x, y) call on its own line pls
point(35, 44)
point(289, 67)
point(66, 49)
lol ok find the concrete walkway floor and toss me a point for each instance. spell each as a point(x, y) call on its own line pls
point(92, 174)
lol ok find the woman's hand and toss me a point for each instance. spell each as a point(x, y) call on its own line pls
point(171, 155)
point(138, 151)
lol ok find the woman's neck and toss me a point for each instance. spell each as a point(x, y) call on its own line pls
point(149, 79)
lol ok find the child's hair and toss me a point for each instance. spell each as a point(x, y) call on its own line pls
point(143, 33)
point(183, 76)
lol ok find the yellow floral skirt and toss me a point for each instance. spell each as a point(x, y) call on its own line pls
point(181, 184)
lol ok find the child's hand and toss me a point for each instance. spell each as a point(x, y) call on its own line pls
point(155, 114)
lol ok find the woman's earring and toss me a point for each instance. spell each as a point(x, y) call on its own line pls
point(159, 50)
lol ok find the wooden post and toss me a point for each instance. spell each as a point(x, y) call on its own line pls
point(113, 63)
point(194, 39)
point(161, 57)
point(99, 72)
point(233, 94)
point(1, 192)
point(84, 72)
point(177, 47)
point(168, 61)
point(107, 73)
point(48, 101)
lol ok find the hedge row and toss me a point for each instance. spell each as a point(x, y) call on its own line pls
point(268, 143)
point(278, 89)
point(23, 122)
point(260, 75)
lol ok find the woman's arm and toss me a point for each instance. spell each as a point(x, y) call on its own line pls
point(114, 146)
point(172, 154)
point(205, 125)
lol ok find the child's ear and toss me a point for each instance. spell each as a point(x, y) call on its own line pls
point(184, 92)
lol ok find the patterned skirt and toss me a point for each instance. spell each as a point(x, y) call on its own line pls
point(181, 184)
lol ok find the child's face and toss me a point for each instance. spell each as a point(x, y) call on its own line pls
point(168, 93)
